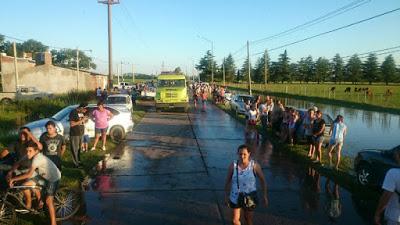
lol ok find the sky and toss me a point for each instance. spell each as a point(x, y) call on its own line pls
point(156, 34)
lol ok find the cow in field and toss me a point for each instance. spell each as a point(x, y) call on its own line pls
point(348, 89)
point(333, 89)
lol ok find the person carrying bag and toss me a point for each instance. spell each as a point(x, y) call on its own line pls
point(240, 186)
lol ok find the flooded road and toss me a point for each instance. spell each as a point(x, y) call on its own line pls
point(172, 171)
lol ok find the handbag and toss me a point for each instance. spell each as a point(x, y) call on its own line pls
point(245, 200)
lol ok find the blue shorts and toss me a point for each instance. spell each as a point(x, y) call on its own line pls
point(318, 139)
point(100, 130)
point(86, 139)
point(49, 188)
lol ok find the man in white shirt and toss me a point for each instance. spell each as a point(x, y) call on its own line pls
point(389, 200)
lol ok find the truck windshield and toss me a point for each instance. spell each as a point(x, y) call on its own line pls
point(171, 83)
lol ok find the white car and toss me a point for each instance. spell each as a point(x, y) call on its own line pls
point(119, 125)
point(120, 101)
point(237, 103)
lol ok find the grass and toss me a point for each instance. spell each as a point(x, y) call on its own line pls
point(321, 93)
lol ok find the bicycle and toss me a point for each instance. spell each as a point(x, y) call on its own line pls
point(66, 203)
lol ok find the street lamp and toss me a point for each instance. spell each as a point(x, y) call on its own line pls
point(212, 55)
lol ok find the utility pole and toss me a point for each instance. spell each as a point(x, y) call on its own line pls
point(223, 71)
point(77, 69)
point(133, 74)
point(117, 74)
point(249, 67)
point(110, 70)
point(265, 67)
point(122, 75)
point(212, 62)
point(15, 66)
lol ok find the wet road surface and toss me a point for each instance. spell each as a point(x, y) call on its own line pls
point(172, 171)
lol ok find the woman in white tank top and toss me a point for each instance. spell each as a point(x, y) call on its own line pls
point(243, 171)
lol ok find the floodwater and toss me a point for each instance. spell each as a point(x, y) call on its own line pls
point(172, 171)
point(366, 129)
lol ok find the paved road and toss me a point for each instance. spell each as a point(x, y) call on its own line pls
point(172, 172)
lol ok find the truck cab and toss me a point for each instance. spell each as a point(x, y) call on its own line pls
point(172, 92)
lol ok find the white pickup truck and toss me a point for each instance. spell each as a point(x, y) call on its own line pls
point(124, 85)
point(24, 93)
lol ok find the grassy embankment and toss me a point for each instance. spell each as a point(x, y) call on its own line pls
point(344, 176)
point(321, 93)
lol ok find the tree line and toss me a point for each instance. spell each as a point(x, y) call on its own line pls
point(305, 70)
point(65, 57)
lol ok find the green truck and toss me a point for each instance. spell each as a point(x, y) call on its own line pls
point(172, 92)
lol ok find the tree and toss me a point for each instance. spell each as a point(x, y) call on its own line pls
point(33, 46)
point(294, 71)
point(245, 70)
point(260, 69)
point(353, 69)
point(371, 68)
point(273, 72)
point(2, 42)
point(338, 68)
point(230, 68)
point(310, 69)
point(67, 58)
point(322, 69)
point(178, 70)
point(284, 70)
point(205, 65)
point(388, 69)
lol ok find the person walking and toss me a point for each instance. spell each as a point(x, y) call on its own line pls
point(264, 115)
point(241, 182)
point(318, 135)
point(54, 144)
point(101, 116)
point(204, 99)
point(390, 198)
point(337, 133)
point(77, 125)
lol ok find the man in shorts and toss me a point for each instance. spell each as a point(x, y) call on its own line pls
point(47, 173)
point(308, 131)
point(54, 144)
point(337, 133)
point(390, 198)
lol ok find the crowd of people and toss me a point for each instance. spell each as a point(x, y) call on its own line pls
point(39, 161)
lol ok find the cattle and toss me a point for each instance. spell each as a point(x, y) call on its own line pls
point(333, 89)
point(348, 89)
point(388, 92)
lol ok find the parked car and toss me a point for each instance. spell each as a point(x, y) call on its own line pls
point(371, 166)
point(24, 93)
point(237, 103)
point(119, 101)
point(119, 125)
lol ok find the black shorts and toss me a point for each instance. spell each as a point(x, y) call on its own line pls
point(236, 206)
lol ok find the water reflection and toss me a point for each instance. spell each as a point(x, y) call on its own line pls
point(310, 190)
point(333, 206)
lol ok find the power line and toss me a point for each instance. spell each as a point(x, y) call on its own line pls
point(22, 40)
point(383, 53)
point(375, 51)
point(330, 31)
point(320, 19)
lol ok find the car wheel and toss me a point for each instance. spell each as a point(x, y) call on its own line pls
point(364, 174)
point(117, 133)
point(6, 101)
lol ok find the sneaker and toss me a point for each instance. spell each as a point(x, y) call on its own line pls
point(93, 148)
point(103, 148)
